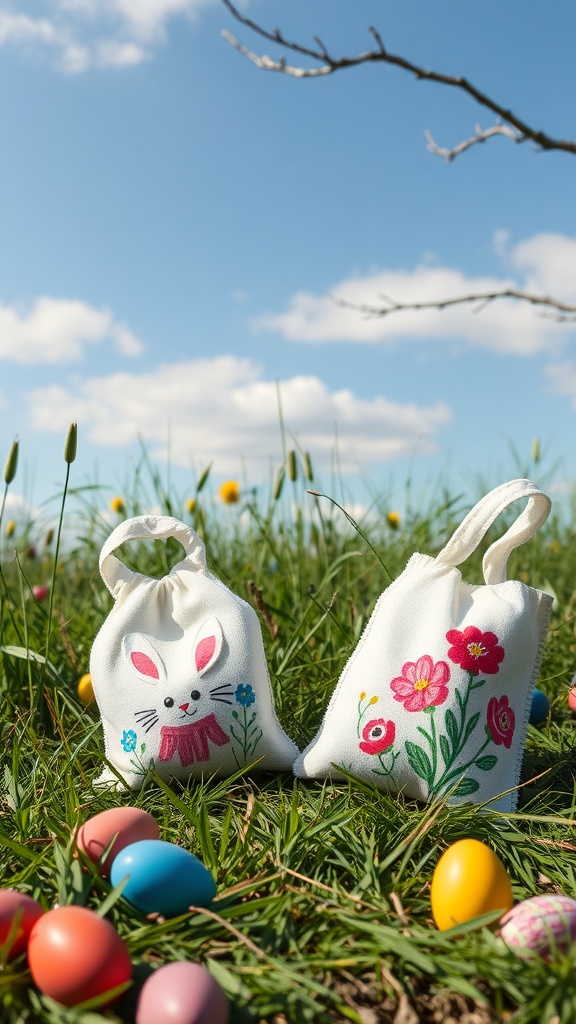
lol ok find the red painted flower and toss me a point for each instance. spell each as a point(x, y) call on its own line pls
point(501, 721)
point(377, 736)
point(422, 684)
point(474, 650)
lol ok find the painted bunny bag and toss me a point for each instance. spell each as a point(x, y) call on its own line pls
point(179, 670)
point(435, 699)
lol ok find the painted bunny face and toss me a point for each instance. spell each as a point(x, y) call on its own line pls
point(170, 701)
point(182, 713)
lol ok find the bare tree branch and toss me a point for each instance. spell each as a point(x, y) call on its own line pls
point(326, 64)
point(481, 135)
point(561, 311)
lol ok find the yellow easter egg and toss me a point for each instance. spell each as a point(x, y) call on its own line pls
point(469, 880)
point(85, 691)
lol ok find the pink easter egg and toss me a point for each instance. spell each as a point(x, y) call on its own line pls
point(119, 826)
point(545, 924)
point(572, 698)
point(182, 993)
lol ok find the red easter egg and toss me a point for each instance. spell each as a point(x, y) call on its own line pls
point(15, 905)
point(75, 955)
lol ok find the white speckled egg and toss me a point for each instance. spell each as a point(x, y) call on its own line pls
point(545, 924)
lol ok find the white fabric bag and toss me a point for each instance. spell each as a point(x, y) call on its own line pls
point(178, 669)
point(435, 699)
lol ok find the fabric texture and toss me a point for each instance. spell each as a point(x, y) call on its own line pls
point(179, 670)
point(434, 701)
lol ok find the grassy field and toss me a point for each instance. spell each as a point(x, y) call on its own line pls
point(323, 908)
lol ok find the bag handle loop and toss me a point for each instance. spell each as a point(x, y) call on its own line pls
point(116, 574)
point(472, 529)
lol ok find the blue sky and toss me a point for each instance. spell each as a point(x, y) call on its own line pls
point(176, 224)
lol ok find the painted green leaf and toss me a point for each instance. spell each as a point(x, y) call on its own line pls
point(445, 750)
point(487, 762)
point(451, 728)
point(470, 726)
point(419, 761)
point(466, 787)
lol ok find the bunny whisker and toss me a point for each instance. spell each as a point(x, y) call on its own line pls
point(151, 724)
point(222, 700)
point(223, 686)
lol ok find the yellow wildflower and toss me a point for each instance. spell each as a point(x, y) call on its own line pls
point(191, 506)
point(393, 520)
point(363, 695)
point(85, 691)
point(117, 505)
point(373, 700)
point(10, 527)
point(230, 492)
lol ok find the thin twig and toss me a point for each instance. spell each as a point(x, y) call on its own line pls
point(566, 311)
point(326, 64)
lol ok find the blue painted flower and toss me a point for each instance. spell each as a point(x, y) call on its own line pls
point(245, 695)
point(128, 741)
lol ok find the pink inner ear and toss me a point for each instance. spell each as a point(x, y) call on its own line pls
point(144, 664)
point(205, 651)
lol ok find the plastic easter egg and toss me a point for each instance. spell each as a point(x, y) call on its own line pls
point(120, 826)
point(572, 698)
point(468, 880)
point(539, 708)
point(162, 878)
point(85, 690)
point(545, 924)
point(16, 906)
point(182, 993)
point(75, 955)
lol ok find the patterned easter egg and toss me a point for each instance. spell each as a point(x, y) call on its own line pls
point(545, 924)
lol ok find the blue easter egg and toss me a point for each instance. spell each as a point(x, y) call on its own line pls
point(540, 707)
point(162, 878)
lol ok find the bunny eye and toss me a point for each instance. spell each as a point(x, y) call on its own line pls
point(168, 702)
point(195, 695)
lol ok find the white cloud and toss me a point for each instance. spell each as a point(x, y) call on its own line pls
point(58, 330)
point(548, 261)
point(562, 377)
point(222, 409)
point(546, 265)
point(82, 34)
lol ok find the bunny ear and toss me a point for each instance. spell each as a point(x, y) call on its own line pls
point(208, 644)
point(143, 658)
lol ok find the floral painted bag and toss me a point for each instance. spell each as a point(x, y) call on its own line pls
point(179, 670)
point(434, 701)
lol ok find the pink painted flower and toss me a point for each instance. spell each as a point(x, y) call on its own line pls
point(422, 684)
point(501, 721)
point(377, 736)
point(474, 650)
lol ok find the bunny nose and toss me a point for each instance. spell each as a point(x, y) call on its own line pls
point(184, 707)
